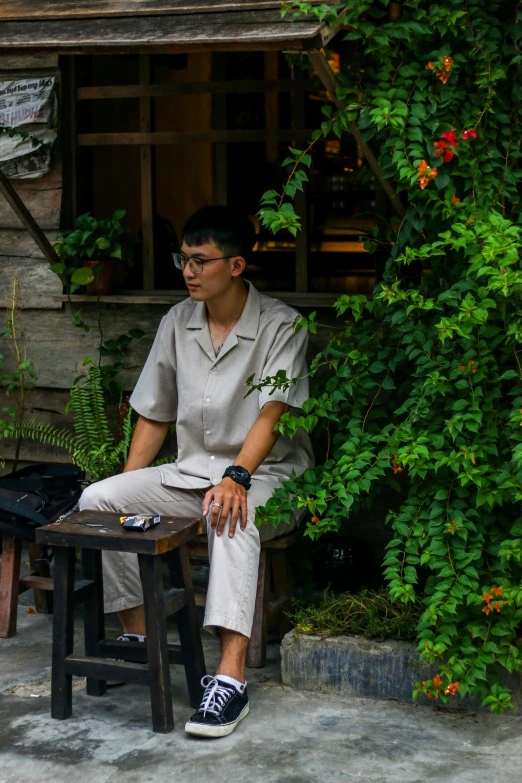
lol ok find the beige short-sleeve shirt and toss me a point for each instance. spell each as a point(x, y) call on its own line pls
point(184, 381)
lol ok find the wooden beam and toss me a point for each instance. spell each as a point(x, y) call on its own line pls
point(328, 78)
point(147, 196)
point(27, 219)
point(187, 137)
point(105, 92)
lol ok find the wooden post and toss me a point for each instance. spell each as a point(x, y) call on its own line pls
point(69, 206)
point(328, 78)
point(271, 107)
point(302, 242)
point(147, 197)
point(219, 122)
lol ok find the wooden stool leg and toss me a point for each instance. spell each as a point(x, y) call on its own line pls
point(94, 619)
point(43, 599)
point(63, 631)
point(157, 647)
point(9, 584)
point(189, 633)
point(282, 587)
point(256, 653)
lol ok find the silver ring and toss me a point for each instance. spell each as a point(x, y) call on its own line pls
point(218, 505)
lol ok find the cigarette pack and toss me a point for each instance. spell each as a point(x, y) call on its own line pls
point(139, 522)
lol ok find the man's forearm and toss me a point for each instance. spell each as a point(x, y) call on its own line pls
point(146, 442)
point(261, 437)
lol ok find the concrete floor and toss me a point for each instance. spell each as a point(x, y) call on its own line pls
point(289, 736)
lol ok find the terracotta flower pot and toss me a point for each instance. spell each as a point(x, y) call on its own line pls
point(105, 281)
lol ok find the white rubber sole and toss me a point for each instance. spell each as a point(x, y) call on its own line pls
point(202, 730)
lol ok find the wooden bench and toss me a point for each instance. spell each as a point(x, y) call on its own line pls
point(273, 569)
point(143, 663)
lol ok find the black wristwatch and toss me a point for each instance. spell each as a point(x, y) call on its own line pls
point(239, 475)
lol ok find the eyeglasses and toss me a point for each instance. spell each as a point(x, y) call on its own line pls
point(195, 263)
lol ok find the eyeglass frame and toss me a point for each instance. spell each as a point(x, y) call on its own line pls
point(196, 259)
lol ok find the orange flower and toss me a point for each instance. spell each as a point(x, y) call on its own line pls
point(448, 62)
point(430, 66)
point(443, 76)
point(497, 591)
point(428, 695)
point(487, 597)
point(455, 200)
point(497, 606)
point(422, 167)
point(452, 688)
point(29, 610)
point(423, 181)
point(315, 520)
point(437, 682)
point(433, 173)
point(487, 609)
point(423, 683)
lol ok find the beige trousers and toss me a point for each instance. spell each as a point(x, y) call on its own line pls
point(234, 561)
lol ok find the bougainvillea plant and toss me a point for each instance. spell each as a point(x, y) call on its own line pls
point(422, 384)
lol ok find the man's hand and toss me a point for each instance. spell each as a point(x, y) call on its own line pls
point(233, 499)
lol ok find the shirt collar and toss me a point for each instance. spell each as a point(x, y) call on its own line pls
point(248, 323)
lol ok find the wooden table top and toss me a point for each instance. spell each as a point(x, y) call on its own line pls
point(75, 531)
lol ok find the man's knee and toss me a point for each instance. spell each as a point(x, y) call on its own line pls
point(99, 496)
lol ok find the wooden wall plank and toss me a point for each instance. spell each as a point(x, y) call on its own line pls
point(42, 197)
point(71, 9)
point(38, 285)
point(58, 348)
point(29, 63)
point(15, 242)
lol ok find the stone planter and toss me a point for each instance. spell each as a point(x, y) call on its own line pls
point(355, 666)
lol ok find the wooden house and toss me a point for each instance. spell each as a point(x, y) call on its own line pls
point(165, 106)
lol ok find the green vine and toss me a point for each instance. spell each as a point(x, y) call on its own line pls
point(420, 387)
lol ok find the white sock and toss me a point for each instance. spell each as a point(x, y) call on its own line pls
point(239, 686)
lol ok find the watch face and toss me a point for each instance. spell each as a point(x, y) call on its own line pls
point(241, 473)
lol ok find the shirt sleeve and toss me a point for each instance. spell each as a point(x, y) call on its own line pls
point(155, 395)
point(287, 353)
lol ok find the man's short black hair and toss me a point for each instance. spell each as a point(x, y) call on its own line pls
point(227, 228)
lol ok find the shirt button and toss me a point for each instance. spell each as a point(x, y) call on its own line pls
point(215, 481)
point(208, 399)
point(207, 432)
point(212, 458)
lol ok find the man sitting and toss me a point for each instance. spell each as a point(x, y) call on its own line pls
point(230, 460)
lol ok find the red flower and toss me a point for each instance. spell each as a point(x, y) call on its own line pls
point(469, 134)
point(450, 136)
point(455, 200)
point(448, 156)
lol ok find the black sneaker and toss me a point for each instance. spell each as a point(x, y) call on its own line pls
point(221, 709)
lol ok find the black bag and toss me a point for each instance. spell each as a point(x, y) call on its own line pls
point(36, 495)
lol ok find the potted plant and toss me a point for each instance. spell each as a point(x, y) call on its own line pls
point(91, 252)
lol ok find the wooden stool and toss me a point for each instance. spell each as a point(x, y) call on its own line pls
point(11, 585)
point(144, 663)
point(273, 565)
